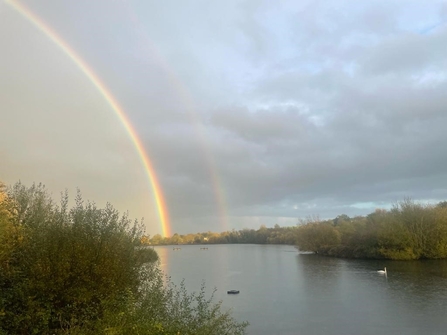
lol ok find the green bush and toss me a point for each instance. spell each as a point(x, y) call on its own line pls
point(316, 236)
point(408, 231)
point(163, 308)
point(83, 270)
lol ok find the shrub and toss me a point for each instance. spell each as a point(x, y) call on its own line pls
point(84, 271)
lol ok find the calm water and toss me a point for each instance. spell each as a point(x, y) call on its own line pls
point(284, 292)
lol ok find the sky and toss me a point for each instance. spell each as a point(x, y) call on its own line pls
point(251, 112)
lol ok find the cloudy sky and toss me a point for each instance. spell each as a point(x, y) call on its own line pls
point(252, 112)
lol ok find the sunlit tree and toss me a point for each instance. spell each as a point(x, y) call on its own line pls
point(83, 270)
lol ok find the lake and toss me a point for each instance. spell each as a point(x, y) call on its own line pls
point(283, 291)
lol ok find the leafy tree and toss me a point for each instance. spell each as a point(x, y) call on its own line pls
point(408, 231)
point(157, 239)
point(176, 239)
point(84, 270)
point(340, 219)
point(68, 261)
point(317, 237)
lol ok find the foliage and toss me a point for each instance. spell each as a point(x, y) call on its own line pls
point(84, 271)
point(163, 308)
point(264, 235)
point(317, 236)
point(407, 231)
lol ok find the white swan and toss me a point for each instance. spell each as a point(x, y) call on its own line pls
point(382, 272)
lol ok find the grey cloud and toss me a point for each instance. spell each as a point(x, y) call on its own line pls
point(408, 53)
point(261, 125)
point(302, 108)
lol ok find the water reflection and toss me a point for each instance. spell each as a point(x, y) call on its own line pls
point(410, 298)
point(283, 292)
point(163, 260)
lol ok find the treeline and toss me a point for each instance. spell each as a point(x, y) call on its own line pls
point(84, 270)
point(408, 231)
point(264, 235)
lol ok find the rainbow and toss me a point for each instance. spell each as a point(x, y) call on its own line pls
point(216, 183)
point(105, 92)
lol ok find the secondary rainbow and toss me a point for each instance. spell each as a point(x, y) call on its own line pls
point(102, 88)
point(190, 108)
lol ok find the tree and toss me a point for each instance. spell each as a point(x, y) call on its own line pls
point(84, 271)
point(10, 236)
point(176, 239)
point(340, 219)
point(68, 263)
point(157, 239)
point(317, 237)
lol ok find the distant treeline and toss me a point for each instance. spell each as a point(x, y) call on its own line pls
point(407, 231)
point(264, 235)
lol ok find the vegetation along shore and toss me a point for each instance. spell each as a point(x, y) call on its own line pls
point(85, 270)
point(82, 270)
point(408, 231)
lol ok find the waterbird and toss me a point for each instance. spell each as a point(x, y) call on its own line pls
point(382, 272)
